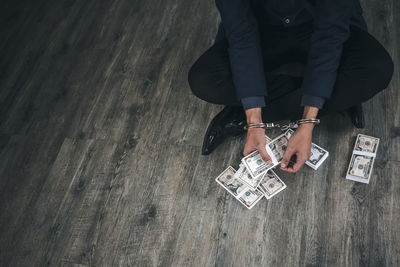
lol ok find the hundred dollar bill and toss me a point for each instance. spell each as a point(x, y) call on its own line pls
point(244, 175)
point(238, 188)
point(254, 164)
point(276, 148)
point(360, 168)
point(271, 184)
point(250, 197)
point(227, 180)
point(318, 154)
point(366, 145)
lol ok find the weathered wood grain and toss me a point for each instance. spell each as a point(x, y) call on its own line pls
point(100, 143)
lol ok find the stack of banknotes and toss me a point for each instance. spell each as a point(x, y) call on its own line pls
point(362, 159)
point(255, 178)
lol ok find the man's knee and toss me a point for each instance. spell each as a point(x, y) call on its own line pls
point(196, 78)
point(208, 85)
point(380, 68)
point(387, 66)
point(210, 78)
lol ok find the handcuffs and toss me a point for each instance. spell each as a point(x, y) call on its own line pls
point(283, 125)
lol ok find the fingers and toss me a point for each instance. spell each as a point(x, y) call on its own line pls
point(300, 159)
point(264, 154)
point(299, 162)
point(286, 158)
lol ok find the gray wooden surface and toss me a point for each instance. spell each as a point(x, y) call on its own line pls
point(100, 141)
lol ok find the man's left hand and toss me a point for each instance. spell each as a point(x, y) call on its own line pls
point(299, 145)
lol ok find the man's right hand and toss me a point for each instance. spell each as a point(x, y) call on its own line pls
point(255, 139)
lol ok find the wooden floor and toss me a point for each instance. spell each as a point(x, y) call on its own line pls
point(100, 141)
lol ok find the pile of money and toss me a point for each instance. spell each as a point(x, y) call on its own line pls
point(362, 159)
point(255, 178)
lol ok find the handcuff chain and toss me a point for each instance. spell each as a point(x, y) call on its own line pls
point(283, 125)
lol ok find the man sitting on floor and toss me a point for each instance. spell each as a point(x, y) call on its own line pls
point(275, 60)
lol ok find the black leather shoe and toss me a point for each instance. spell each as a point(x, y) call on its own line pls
point(357, 116)
point(229, 122)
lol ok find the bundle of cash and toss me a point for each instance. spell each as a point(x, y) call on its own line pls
point(318, 154)
point(237, 188)
point(271, 184)
point(276, 148)
point(244, 175)
point(362, 159)
point(254, 164)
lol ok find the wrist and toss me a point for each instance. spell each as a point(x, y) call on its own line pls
point(253, 115)
point(307, 127)
point(310, 112)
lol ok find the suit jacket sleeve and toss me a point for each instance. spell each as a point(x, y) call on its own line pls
point(331, 30)
point(241, 31)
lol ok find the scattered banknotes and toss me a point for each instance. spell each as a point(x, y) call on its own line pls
point(237, 188)
point(255, 178)
point(362, 159)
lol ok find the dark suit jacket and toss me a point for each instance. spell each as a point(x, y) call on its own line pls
point(240, 23)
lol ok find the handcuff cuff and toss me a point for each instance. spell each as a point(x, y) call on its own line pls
point(283, 125)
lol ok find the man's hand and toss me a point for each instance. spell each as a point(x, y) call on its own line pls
point(300, 145)
point(255, 139)
point(298, 148)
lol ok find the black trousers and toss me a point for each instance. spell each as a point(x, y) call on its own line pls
point(365, 69)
